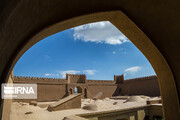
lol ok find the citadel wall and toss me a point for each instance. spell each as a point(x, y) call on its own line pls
point(55, 89)
point(108, 90)
point(47, 88)
point(140, 86)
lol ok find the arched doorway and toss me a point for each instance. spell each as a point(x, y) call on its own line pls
point(119, 91)
point(71, 91)
point(78, 89)
point(85, 93)
point(126, 26)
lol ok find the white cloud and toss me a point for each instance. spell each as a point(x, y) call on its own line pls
point(90, 72)
point(99, 32)
point(63, 73)
point(113, 52)
point(133, 69)
point(49, 74)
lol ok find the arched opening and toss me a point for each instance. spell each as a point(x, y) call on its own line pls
point(71, 91)
point(85, 93)
point(119, 91)
point(73, 78)
point(78, 89)
point(158, 62)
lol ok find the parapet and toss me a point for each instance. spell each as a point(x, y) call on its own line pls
point(142, 78)
point(119, 79)
point(100, 82)
point(76, 78)
point(23, 79)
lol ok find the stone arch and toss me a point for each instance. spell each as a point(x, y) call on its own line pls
point(127, 27)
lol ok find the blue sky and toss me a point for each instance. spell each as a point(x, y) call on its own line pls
point(98, 50)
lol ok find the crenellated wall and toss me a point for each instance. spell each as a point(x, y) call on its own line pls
point(100, 82)
point(142, 78)
point(141, 86)
point(47, 88)
point(22, 79)
point(108, 90)
point(74, 78)
point(55, 88)
point(119, 79)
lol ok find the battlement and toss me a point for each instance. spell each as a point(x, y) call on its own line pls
point(76, 78)
point(141, 78)
point(100, 81)
point(119, 79)
point(75, 75)
point(22, 79)
point(57, 88)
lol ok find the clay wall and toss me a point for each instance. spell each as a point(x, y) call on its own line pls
point(55, 89)
point(47, 88)
point(51, 91)
point(119, 79)
point(108, 90)
point(22, 79)
point(71, 89)
point(66, 103)
point(74, 78)
point(100, 82)
point(141, 86)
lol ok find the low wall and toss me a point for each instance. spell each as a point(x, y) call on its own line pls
point(69, 102)
point(133, 113)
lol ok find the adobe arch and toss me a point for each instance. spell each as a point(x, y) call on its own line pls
point(71, 91)
point(127, 27)
point(79, 89)
point(85, 92)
